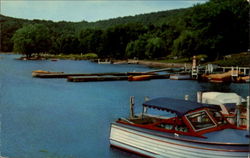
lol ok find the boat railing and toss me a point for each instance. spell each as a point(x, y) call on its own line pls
point(125, 120)
point(155, 116)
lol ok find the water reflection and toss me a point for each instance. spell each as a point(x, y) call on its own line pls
point(220, 87)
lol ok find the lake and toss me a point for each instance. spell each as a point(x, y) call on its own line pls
point(53, 118)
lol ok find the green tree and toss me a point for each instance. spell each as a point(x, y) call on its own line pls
point(31, 39)
point(185, 45)
point(116, 39)
point(222, 26)
point(7, 29)
point(155, 48)
point(136, 49)
point(66, 44)
point(91, 41)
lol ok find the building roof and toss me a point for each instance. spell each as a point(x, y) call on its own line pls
point(180, 107)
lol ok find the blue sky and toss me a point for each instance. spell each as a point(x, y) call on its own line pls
point(89, 10)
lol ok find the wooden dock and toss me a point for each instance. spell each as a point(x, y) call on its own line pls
point(96, 78)
point(243, 70)
point(110, 78)
point(107, 76)
point(63, 75)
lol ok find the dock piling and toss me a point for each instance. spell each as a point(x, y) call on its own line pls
point(238, 111)
point(248, 115)
point(199, 97)
point(132, 103)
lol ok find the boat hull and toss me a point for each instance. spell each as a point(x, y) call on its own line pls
point(180, 77)
point(149, 144)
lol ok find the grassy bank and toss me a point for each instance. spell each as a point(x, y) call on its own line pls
point(241, 59)
point(70, 56)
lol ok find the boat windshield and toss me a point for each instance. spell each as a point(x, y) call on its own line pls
point(218, 117)
point(200, 120)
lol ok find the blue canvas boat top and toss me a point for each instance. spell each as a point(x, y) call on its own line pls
point(180, 107)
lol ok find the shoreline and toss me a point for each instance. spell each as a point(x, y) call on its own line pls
point(152, 64)
point(164, 65)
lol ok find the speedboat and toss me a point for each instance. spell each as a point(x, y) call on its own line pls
point(173, 128)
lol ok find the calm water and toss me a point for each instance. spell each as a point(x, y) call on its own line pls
point(53, 118)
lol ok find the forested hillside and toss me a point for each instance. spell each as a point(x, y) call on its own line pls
point(215, 29)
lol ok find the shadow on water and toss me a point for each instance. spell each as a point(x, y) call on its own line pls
point(241, 89)
point(220, 87)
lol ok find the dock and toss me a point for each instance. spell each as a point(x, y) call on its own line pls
point(112, 78)
point(107, 76)
point(63, 75)
point(243, 70)
point(96, 78)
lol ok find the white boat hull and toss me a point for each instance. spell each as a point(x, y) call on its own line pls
point(154, 145)
point(179, 77)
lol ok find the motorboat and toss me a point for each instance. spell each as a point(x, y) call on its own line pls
point(169, 128)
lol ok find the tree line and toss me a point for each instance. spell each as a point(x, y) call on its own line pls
point(215, 28)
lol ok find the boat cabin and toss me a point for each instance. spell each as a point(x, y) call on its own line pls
point(184, 117)
point(230, 104)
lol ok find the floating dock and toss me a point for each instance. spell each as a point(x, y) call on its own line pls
point(63, 75)
point(95, 78)
point(112, 78)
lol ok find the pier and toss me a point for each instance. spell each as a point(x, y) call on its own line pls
point(63, 75)
point(242, 70)
point(208, 73)
point(108, 76)
point(115, 78)
point(96, 78)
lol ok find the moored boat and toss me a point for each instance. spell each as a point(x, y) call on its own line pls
point(180, 76)
point(244, 79)
point(139, 77)
point(222, 77)
point(36, 73)
point(192, 130)
point(106, 61)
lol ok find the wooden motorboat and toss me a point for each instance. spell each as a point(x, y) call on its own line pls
point(190, 130)
point(222, 77)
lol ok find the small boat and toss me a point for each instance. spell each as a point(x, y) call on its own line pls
point(178, 128)
point(36, 73)
point(180, 76)
point(106, 61)
point(139, 77)
point(244, 79)
point(222, 77)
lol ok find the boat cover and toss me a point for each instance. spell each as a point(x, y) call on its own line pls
point(219, 98)
point(180, 107)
